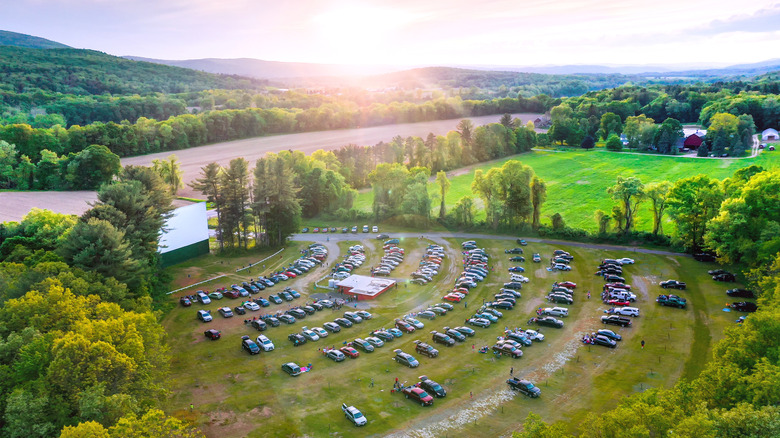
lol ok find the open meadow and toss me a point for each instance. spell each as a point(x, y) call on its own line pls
point(235, 394)
point(577, 180)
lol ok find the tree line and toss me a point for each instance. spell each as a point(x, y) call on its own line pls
point(82, 351)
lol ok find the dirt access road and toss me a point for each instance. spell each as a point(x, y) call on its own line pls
point(253, 148)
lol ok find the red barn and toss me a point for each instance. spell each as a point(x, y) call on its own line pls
point(693, 141)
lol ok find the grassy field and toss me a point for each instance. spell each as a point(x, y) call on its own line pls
point(577, 181)
point(235, 394)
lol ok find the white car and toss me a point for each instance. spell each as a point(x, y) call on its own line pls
point(625, 311)
point(625, 261)
point(520, 278)
point(321, 332)
point(310, 335)
point(251, 305)
point(265, 343)
point(561, 267)
point(203, 298)
point(534, 335)
point(556, 311)
point(341, 275)
point(374, 229)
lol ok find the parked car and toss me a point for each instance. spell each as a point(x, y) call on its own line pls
point(537, 258)
point(184, 301)
point(513, 251)
point(466, 331)
point(427, 314)
point(418, 395)
point(204, 315)
point(265, 343)
point(524, 386)
point(616, 320)
point(362, 344)
point(212, 334)
point(354, 317)
point(431, 387)
point(405, 359)
point(740, 293)
point(561, 267)
point(353, 414)
point(727, 277)
point(549, 321)
point(478, 322)
point(249, 345)
point(626, 311)
point(310, 335)
point(671, 301)
point(260, 325)
point(335, 355)
point(556, 311)
point(704, 257)
point(425, 349)
point(216, 295)
point(297, 339)
point(292, 369)
point(609, 334)
point(673, 284)
point(506, 349)
point(604, 341)
point(404, 326)
point(745, 306)
point(442, 338)
point(349, 351)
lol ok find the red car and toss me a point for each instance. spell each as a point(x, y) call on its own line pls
point(349, 351)
point(290, 274)
point(185, 301)
point(230, 294)
point(418, 395)
point(617, 285)
point(213, 334)
point(618, 303)
point(569, 284)
point(452, 297)
point(404, 326)
point(461, 290)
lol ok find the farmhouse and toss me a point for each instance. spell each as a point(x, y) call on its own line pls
point(769, 134)
point(693, 142)
point(364, 288)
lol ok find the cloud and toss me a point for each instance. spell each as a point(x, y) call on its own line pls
point(763, 20)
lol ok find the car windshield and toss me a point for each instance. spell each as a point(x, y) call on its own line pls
point(436, 387)
point(530, 386)
point(358, 414)
point(424, 394)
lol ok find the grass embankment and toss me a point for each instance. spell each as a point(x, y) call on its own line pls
point(577, 180)
point(240, 395)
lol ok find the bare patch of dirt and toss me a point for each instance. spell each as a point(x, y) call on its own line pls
point(228, 423)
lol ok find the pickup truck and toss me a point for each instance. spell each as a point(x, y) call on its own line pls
point(616, 320)
point(354, 415)
point(671, 301)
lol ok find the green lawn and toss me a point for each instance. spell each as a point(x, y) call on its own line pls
point(577, 180)
point(238, 395)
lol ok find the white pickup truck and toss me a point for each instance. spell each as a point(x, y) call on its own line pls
point(354, 415)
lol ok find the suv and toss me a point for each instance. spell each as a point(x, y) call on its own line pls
point(249, 345)
point(204, 315)
point(441, 338)
point(674, 284)
point(625, 311)
point(354, 415)
point(556, 311)
point(507, 349)
point(431, 387)
point(671, 301)
point(524, 386)
point(425, 349)
point(363, 345)
point(549, 321)
point(405, 359)
point(418, 394)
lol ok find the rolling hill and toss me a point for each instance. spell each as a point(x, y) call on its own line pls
point(15, 39)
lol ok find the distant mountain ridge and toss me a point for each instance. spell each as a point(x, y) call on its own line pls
point(16, 39)
point(262, 69)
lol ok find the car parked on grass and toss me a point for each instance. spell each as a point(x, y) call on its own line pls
point(204, 315)
point(604, 341)
point(260, 325)
point(184, 301)
point(292, 369)
point(524, 386)
point(556, 311)
point(560, 298)
point(335, 355)
point(442, 338)
point(239, 310)
point(609, 334)
point(265, 343)
point(513, 251)
point(506, 349)
point(519, 337)
point(740, 293)
point(216, 295)
point(427, 314)
point(404, 326)
point(405, 359)
point(418, 395)
point(745, 306)
point(362, 344)
point(466, 331)
point(626, 311)
point(212, 334)
point(725, 277)
point(717, 271)
point(616, 320)
point(275, 299)
point(250, 305)
point(672, 284)
point(425, 349)
point(249, 345)
point(561, 267)
point(625, 261)
point(287, 319)
point(296, 338)
point(431, 387)
point(375, 341)
point(549, 321)
point(354, 317)
point(671, 301)
point(310, 335)
point(349, 351)
point(478, 322)
point(704, 257)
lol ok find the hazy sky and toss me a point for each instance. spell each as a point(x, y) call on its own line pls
point(412, 32)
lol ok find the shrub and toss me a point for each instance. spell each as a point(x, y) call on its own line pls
point(614, 143)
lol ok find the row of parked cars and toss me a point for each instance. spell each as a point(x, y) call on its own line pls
point(393, 257)
point(617, 294)
point(345, 230)
point(353, 260)
point(429, 265)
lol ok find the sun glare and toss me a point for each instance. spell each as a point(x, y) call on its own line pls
point(358, 34)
